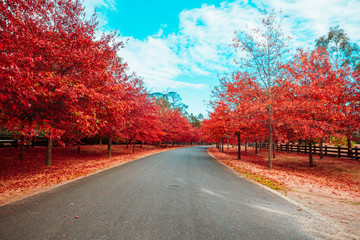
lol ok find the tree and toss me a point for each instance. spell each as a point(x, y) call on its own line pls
point(172, 100)
point(341, 50)
point(320, 97)
point(345, 58)
point(56, 76)
point(143, 121)
point(265, 48)
point(195, 120)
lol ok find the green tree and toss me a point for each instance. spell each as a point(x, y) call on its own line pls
point(341, 50)
point(196, 120)
point(171, 100)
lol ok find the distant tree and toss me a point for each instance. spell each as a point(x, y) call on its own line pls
point(341, 50)
point(195, 120)
point(175, 102)
point(172, 100)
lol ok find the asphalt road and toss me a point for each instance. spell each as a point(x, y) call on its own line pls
point(179, 194)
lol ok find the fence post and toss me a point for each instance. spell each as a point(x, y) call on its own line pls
point(287, 147)
point(305, 147)
point(321, 148)
point(325, 150)
point(280, 147)
point(339, 152)
point(291, 147)
point(356, 153)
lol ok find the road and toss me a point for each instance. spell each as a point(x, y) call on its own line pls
point(178, 194)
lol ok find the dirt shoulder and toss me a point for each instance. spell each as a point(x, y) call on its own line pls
point(22, 178)
point(330, 190)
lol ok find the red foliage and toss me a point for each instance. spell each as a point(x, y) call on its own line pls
point(55, 75)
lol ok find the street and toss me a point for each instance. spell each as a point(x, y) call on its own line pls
point(178, 194)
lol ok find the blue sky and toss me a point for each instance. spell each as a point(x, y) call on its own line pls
point(183, 46)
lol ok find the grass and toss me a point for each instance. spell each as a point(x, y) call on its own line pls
point(350, 202)
point(263, 180)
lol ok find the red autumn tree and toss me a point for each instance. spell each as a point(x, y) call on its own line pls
point(55, 72)
point(320, 97)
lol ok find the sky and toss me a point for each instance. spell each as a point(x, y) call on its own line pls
point(184, 46)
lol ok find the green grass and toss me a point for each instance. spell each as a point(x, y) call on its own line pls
point(350, 202)
point(263, 180)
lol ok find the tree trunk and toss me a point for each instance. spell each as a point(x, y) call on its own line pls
point(227, 151)
point(22, 150)
point(270, 139)
point(133, 146)
point(256, 148)
point(321, 148)
point(78, 149)
point(127, 143)
point(141, 143)
point(48, 153)
point(274, 150)
point(245, 145)
point(100, 142)
point(109, 147)
point(311, 160)
point(350, 152)
point(222, 145)
point(239, 146)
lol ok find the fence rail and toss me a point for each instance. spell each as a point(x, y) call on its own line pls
point(339, 152)
point(11, 141)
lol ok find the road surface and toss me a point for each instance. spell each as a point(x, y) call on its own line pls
point(178, 194)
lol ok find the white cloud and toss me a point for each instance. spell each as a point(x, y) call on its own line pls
point(200, 47)
point(309, 19)
point(202, 44)
point(154, 61)
point(91, 5)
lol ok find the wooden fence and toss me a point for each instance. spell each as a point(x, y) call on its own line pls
point(11, 141)
point(339, 152)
